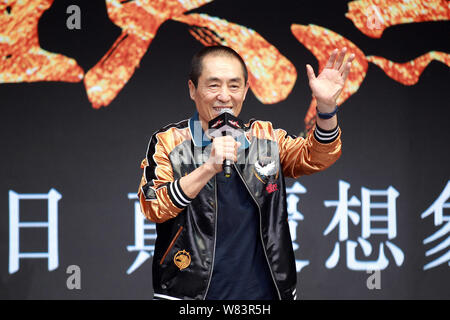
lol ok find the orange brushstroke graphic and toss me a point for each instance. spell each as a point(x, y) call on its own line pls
point(271, 75)
point(372, 17)
point(21, 57)
point(321, 42)
point(408, 73)
point(139, 21)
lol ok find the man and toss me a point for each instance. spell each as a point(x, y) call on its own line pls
point(228, 238)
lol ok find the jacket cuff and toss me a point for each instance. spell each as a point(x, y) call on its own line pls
point(176, 194)
point(326, 136)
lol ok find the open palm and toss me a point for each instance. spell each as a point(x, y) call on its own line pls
point(327, 86)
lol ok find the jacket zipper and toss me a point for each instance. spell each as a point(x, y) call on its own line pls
point(215, 236)
point(171, 245)
point(260, 230)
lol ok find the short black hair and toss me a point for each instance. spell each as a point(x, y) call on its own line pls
point(197, 60)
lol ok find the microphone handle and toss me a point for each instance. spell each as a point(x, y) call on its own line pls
point(227, 167)
point(227, 163)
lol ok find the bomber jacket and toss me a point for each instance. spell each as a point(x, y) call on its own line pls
point(186, 228)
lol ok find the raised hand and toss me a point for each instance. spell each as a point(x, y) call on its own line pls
point(327, 86)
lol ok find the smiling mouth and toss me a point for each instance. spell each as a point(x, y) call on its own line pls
point(223, 109)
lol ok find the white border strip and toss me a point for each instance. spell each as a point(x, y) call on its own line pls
point(163, 296)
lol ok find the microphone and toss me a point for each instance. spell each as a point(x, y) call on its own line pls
point(225, 124)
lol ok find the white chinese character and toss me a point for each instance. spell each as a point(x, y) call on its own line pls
point(342, 212)
point(51, 224)
point(342, 215)
point(141, 225)
point(294, 216)
point(439, 218)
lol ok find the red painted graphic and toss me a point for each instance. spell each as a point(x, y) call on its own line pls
point(22, 59)
point(218, 122)
point(272, 187)
point(372, 17)
point(271, 75)
point(320, 41)
point(234, 123)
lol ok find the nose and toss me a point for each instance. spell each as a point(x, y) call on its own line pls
point(224, 95)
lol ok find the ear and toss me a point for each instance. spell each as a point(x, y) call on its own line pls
point(192, 89)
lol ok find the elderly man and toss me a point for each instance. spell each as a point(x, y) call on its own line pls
point(228, 237)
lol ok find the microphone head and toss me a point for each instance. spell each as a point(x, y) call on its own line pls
point(225, 123)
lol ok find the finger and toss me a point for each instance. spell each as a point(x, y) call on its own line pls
point(229, 140)
point(349, 59)
point(231, 144)
point(346, 70)
point(220, 142)
point(230, 155)
point(330, 62)
point(340, 58)
point(222, 155)
point(310, 72)
point(228, 149)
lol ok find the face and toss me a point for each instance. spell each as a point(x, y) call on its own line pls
point(220, 85)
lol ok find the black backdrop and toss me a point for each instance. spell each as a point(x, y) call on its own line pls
point(51, 137)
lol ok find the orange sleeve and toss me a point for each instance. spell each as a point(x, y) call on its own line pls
point(300, 156)
point(160, 197)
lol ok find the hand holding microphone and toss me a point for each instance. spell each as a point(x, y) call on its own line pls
point(224, 128)
point(223, 154)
